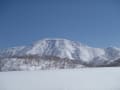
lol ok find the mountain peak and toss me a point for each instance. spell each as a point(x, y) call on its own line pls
point(60, 48)
point(53, 40)
point(63, 48)
point(54, 47)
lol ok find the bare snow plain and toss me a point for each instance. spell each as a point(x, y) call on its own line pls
point(66, 79)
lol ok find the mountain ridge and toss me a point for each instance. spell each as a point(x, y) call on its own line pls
point(63, 49)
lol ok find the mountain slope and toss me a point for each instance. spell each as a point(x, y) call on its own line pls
point(63, 49)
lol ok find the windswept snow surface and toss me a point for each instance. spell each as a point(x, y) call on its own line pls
point(68, 79)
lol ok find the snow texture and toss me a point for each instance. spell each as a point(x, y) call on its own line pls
point(61, 48)
point(74, 79)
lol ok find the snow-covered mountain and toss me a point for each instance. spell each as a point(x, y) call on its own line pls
point(63, 49)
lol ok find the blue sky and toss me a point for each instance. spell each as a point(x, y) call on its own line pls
point(93, 22)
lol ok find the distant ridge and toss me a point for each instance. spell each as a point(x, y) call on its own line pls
point(66, 50)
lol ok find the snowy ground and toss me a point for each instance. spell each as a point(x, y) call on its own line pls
point(76, 79)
